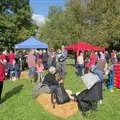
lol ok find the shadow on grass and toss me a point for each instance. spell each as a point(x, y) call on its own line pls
point(70, 64)
point(13, 92)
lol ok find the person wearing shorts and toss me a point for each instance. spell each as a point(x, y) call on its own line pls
point(32, 72)
point(31, 60)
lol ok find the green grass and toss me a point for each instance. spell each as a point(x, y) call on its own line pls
point(20, 106)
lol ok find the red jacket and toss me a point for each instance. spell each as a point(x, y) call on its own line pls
point(93, 58)
point(3, 57)
point(2, 72)
point(11, 57)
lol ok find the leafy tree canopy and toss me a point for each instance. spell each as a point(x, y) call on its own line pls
point(94, 21)
point(15, 22)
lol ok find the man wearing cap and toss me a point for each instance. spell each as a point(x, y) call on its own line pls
point(62, 61)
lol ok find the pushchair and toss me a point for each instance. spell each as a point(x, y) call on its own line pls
point(88, 98)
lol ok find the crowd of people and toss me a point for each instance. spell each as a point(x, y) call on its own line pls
point(40, 60)
point(87, 61)
point(37, 61)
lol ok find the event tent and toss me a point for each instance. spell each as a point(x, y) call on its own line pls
point(83, 46)
point(80, 46)
point(31, 43)
point(99, 49)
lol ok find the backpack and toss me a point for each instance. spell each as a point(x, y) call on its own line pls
point(59, 96)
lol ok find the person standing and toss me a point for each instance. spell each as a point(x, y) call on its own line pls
point(31, 60)
point(45, 57)
point(62, 61)
point(99, 70)
point(80, 61)
point(87, 65)
point(58, 56)
point(11, 57)
point(118, 57)
point(40, 68)
point(2, 78)
point(4, 56)
point(107, 56)
point(52, 55)
point(20, 59)
point(93, 58)
point(113, 55)
point(102, 55)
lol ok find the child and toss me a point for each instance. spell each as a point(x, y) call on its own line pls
point(87, 65)
point(40, 68)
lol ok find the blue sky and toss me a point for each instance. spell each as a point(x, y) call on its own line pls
point(41, 6)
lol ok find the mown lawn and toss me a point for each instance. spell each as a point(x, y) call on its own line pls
point(20, 106)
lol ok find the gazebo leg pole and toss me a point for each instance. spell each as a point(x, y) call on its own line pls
point(77, 53)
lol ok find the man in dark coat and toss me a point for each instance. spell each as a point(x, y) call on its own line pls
point(50, 79)
point(45, 57)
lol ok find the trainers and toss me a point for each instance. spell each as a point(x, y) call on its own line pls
point(100, 101)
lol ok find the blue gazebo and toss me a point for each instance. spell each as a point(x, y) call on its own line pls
point(31, 43)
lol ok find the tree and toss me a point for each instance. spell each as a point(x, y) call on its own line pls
point(53, 29)
point(105, 30)
point(61, 27)
point(15, 22)
point(93, 21)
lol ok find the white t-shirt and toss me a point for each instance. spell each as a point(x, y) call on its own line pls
point(80, 60)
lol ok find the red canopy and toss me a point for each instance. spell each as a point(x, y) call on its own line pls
point(99, 49)
point(83, 46)
point(80, 46)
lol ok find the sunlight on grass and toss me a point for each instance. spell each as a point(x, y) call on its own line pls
point(20, 106)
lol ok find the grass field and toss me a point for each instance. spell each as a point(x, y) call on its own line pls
point(19, 105)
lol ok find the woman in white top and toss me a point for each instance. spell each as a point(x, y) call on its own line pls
point(80, 61)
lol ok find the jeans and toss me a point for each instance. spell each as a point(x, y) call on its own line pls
point(17, 73)
point(100, 74)
point(80, 68)
point(32, 72)
point(12, 74)
point(62, 66)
